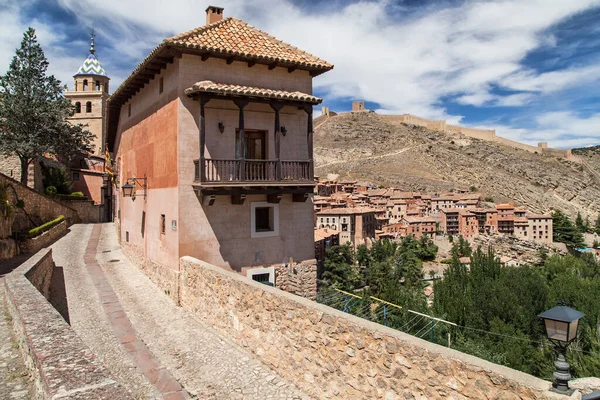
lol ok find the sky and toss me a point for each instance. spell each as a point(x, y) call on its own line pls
point(530, 69)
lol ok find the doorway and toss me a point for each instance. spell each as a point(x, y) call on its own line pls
point(255, 144)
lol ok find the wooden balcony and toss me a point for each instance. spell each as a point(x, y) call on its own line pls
point(248, 172)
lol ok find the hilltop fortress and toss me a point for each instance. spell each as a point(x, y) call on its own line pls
point(442, 126)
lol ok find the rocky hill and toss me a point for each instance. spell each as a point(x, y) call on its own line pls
point(590, 156)
point(363, 146)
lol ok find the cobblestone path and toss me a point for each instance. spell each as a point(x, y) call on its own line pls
point(143, 337)
point(15, 382)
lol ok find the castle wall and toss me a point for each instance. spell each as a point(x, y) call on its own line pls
point(483, 134)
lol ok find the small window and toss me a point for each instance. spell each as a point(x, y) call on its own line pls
point(77, 107)
point(98, 85)
point(160, 85)
point(127, 236)
point(163, 224)
point(85, 85)
point(129, 110)
point(75, 176)
point(88, 107)
point(262, 278)
point(264, 219)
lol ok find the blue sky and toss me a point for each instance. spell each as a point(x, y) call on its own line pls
point(528, 68)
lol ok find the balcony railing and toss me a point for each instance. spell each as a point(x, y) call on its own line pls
point(245, 170)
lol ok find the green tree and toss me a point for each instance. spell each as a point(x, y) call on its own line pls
point(564, 231)
point(339, 269)
point(597, 224)
point(579, 223)
point(33, 110)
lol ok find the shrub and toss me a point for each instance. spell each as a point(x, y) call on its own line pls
point(77, 194)
point(70, 197)
point(489, 199)
point(473, 188)
point(45, 227)
point(51, 190)
point(57, 177)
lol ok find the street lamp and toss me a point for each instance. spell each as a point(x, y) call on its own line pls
point(561, 328)
point(131, 184)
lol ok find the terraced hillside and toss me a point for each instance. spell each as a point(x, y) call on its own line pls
point(364, 146)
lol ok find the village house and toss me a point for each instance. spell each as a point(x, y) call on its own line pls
point(487, 219)
point(506, 218)
point(213, 130)
point(324, 239)
point(459, 222)
point(416, 226)
point(356, 225)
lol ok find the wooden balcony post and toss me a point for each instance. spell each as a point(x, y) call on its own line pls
point(309, 139)
point(202, 167)
point(276, 135)
point(242, 142)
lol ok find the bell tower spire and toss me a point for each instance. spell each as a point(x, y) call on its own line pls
point(92, 48)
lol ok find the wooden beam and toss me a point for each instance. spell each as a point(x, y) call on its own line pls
point(208, 200)
point(205, 56)
point(274, 198)
point(272, 66)
point(300, 197)
point(291, 69)
point(238, 199)
point(277, 136)
point(229, 60)
point(251, 64)
point(203, 100)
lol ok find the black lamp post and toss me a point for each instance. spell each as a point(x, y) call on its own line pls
point(561, 328)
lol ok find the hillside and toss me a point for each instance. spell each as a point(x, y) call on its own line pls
point(590, 156)
point(364, 146)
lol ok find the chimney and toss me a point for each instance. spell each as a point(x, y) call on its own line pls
point(213, 14)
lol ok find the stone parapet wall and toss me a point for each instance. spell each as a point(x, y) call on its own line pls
point(88, 212)
point(331, 354)
point(33, 245)
point(40, 273)
point(61, 365)
point(36, 204)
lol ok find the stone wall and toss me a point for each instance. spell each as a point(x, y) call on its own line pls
point(40, 274)
point(88, 212)
point(331, 354)
point(31, 246)
point(41, 208)
point(300, 280)
point(61, 365)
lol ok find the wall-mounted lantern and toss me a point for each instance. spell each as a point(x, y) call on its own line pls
point(221, 127)
point(283, 130)
point(561, 328)
point(129, 188)
point(105, 179)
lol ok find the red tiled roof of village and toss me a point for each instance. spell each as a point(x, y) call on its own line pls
point(324, 233)
point(416, 220)
point(520, 220)
point(347, 211)
point(249, 91)
point(539, 216)
point(234, 37)
point(504, 206)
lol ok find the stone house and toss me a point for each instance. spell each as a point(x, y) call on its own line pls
point(215, 125)
point(487, 219)
point(456, 221)
point(506, 218)
point(356, 225)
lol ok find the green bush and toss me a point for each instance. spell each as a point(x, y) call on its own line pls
point(70, 197)
point(80, 194)
point(51, 190)
point(489, 199)
point(57, 177)
point(45, 227)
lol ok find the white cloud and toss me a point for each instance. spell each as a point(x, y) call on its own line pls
point(405, 62)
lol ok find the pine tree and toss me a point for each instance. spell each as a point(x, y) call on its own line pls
point(597, 225)
point(33, 110)
point(565, 232)
point(579, 222)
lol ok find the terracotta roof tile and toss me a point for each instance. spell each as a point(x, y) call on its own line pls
point(232, 36)
point(249, 91)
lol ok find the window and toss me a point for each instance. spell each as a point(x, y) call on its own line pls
point(98, 85)
point(85, 85)
point(88, 107)
point(163, 224)
point(264, 219)
point(127, 236)
point(75, 176)
point(77, 107)
point(262, 275)
point(160, 85)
